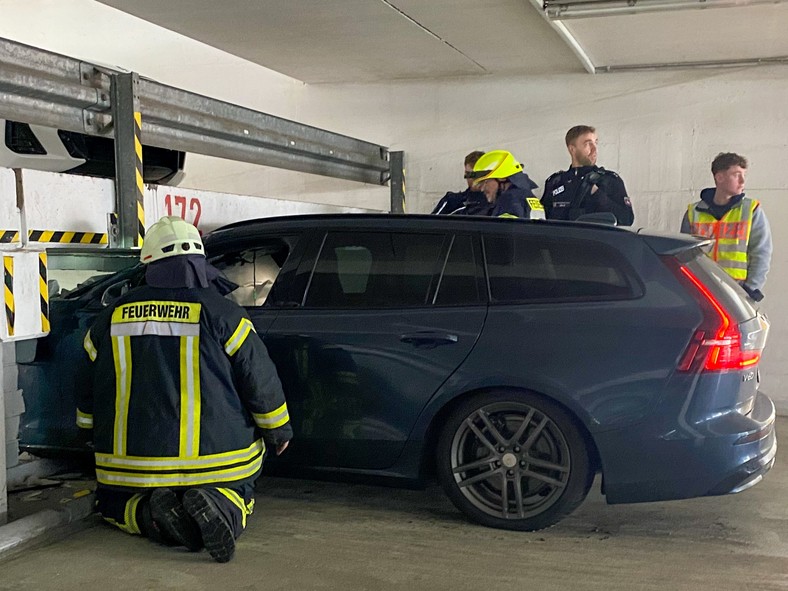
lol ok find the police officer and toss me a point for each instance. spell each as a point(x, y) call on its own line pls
point(182, 403)
point(585, 187)
point(471, 196)
point(508, 191)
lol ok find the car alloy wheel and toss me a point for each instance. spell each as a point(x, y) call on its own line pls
point(513, 461)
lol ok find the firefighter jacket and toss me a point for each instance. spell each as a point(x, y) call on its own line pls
point(568, 194)
point(451, 202)
point(517, 201)
point(183, 392)
point(742, 238)
point(514, 202)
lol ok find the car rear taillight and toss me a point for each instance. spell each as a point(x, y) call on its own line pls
point(717, 344)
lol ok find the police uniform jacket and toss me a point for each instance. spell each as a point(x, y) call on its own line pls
point(567, 194)
point(184, 393)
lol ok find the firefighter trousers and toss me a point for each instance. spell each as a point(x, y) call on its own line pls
point(130, 511)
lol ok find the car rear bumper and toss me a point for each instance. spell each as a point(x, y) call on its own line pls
point(725, 454)
point(760, 445)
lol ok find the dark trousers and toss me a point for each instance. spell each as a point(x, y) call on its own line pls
point(129, 511)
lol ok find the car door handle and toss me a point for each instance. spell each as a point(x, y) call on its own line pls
point(428, 339)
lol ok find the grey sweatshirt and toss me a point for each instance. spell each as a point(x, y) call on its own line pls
point(759, 247)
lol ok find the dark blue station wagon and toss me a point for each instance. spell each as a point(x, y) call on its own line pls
point(514, 359)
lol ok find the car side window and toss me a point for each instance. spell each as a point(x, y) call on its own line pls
point(461, 283)
point(254, 271)
point(375, 270)
point(541, 269)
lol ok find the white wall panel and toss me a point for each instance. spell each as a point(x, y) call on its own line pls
point(67, 203)
point(209, 210)
point(659, 130)
point(9, 214)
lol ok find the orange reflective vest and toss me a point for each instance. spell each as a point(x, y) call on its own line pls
point(731, 234)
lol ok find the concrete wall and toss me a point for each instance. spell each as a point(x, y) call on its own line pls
point(660, 131)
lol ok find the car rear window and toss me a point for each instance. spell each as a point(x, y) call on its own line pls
point(540, 269)
point(722, 285)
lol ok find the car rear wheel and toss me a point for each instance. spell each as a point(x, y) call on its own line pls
point(513, 460)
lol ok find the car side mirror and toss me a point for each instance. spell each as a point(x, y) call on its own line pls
point(602, 217)
point(114, 291)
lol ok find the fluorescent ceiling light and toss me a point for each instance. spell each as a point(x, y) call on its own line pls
point(561, 10)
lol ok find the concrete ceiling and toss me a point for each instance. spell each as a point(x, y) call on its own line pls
point(710, 35)
point(340, 41)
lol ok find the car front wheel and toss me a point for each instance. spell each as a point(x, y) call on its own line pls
point(513, 460)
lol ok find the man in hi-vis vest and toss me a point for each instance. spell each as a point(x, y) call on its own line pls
point(737, 224)
point(182, 401)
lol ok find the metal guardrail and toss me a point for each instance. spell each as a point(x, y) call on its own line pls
point(49, 89)
point(177, 119)
point(44, 88)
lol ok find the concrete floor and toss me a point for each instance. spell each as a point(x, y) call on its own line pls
point(315, 535)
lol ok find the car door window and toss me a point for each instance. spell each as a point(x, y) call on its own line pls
point(539, 269)
point(73, 273)
point(375, 270)
point(461, 282)
point(254, 271)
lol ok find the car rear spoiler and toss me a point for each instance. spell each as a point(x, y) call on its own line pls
point(671, 244)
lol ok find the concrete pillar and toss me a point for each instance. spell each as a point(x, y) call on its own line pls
point(13, 405)
point(4, 371)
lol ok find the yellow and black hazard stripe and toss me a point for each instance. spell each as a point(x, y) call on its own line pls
point(7, 236)
point(404, 209)
point(8, 293)
point(67, 237)
point(62, 237)
point(140, 183)
point(43, 290)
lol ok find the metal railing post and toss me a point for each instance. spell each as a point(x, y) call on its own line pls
point(397, 182)
point(129, 188)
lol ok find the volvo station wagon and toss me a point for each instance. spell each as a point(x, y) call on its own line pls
point(513, 360)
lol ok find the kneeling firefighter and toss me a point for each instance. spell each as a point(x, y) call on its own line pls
point(508, 190)
point(182, 399)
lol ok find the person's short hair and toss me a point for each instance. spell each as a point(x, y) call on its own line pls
point(725, 160)
point(473, 157)
point(577, 131)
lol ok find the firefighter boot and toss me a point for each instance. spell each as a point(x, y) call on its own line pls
point(151, 529)
point(168, 513)
point(217, 534)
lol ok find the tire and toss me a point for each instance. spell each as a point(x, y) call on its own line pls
point(513, 460)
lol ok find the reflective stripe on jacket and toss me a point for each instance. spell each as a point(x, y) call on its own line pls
point(731, 234)
point(182, 390)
